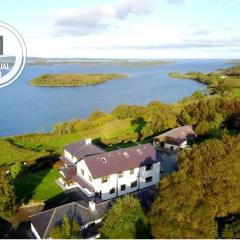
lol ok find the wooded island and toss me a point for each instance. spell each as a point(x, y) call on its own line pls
point(73, 79)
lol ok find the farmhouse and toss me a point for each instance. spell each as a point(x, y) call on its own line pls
point(174, 139)
point(88, 217)
point(107, 175)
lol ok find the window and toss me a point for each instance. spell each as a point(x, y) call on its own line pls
point(123, 187)
point(139, 152)
point(132, 171)
point(148, 179)
point(126, 155)
point(149, 167)
point(104, 179)
point(104, 160)
point(90, 178)
point(82, 172)
point(120, 174)
point(112, 190)
point(134, 184)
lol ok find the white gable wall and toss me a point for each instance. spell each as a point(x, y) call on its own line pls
point(69, 156)
point(82, 165)
point(154, 172)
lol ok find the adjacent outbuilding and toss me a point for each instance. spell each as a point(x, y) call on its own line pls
point(174, 139)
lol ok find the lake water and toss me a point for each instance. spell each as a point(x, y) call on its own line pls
point(24, 108)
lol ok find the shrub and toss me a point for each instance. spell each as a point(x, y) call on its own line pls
point(16, 169)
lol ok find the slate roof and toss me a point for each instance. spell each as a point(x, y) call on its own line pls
point(69, 171)
point(177, 135)
point(83, 183)
point(81, 149)
point(44, 221)
point(68, 162)
point(116, 161)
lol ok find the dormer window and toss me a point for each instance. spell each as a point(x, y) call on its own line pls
point(104, 179)
point(139, 151)
point(126, 155)
point(104, 160)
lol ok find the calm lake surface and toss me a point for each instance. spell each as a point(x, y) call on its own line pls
point(24, 108)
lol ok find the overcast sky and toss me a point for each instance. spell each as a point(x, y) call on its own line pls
point(127, 28)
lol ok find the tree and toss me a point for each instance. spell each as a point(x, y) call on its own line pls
point(205, 187)
point(160, 117)
point(16, 169)
point(68, 229)
point(231, 229)
point(127, 111)
point(96, 115)
point(203, 128)
point(7, 197)
point(125, 219)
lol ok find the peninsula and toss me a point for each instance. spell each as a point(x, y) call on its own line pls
point(73, 79)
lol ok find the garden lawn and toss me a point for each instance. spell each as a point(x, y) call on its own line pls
point(39, 186)
point(30, 147)
point(49, 141)
point(236, 92)
point(10, 153)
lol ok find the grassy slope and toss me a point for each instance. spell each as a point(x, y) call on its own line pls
point(236, 92)
point(33, 146)
point(72, 79)
point(10, 153)
point(38, 186)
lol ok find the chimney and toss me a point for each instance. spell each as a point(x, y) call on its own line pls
point(88, 141)
point(92, 205)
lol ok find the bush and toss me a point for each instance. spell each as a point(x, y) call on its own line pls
point(203, 128)
point(124, 111)
point(96, 115)
point(16, 170)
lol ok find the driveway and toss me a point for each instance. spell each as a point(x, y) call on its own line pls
point(169, 163)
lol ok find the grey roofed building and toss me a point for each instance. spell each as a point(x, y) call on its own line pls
point(83, 148)
point(121, 160)
point(42, 223)
point(176, 137)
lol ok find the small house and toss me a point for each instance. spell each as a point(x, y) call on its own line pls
point(174, 139)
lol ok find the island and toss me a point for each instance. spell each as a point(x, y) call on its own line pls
point(119, 62)
point(73, 79)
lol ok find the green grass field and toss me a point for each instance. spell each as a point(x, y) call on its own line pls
point(9, 153)
point(236, 92)
point(33, 146)
point(38, 186)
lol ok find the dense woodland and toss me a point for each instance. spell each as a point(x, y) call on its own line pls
point(224, 82)
point(199, 200)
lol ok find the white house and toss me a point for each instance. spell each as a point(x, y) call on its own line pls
point(174, 139)
point(109, 174)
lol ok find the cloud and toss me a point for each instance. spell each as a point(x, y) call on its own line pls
point(90, 20)
point(203, 32)
point(184, 44)
point(175, 1)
